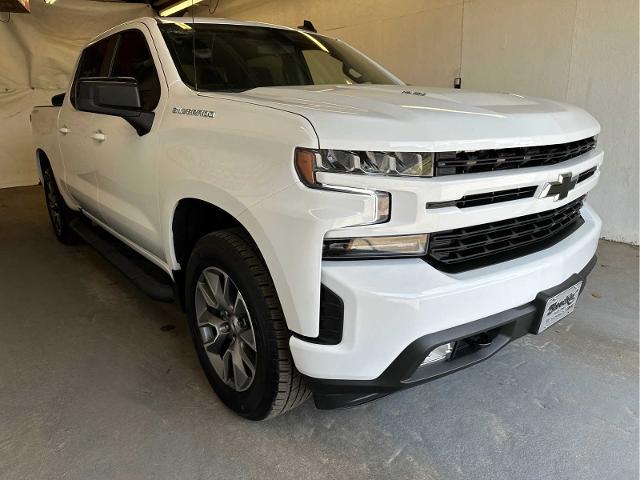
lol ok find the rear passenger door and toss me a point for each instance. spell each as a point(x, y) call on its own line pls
point(128, 163)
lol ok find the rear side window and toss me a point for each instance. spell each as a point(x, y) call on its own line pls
point(94, 62)
point(133, 59)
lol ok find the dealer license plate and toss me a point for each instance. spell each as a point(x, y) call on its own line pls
point(559, 306)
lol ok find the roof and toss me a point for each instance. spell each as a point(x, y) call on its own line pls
point(188, 20)
point(224, 21)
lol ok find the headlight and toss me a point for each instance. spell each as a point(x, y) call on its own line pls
point(399, 164)
point(306, 162)
point(367, 247)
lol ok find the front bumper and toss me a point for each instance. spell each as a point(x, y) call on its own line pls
point(389, 305)
point(406, 370)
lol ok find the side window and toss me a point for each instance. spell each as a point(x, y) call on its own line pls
point(94, 62)
point(133, 59)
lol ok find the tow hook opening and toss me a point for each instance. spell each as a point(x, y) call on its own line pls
point(474, 343)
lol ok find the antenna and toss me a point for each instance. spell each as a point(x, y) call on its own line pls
point(308, 26)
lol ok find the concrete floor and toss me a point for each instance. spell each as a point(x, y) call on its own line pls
point(93, 387)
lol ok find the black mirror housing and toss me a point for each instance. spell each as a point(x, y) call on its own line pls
point(58, 100)
point(116, 96)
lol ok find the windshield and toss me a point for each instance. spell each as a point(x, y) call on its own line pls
point(236, 58)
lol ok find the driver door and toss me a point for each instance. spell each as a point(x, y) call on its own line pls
point(127, 163)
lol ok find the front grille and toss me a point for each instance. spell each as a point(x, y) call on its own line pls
point(487, 198)
point(586, 174)
point(453, 163)
point(481, 245)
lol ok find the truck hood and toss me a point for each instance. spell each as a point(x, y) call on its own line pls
point(405, 118)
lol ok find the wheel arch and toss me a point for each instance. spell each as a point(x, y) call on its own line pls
point(193, 218)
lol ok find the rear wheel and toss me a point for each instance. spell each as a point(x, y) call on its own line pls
point(59, 213)
point(238, 328)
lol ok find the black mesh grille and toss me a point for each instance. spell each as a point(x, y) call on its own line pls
point(487, 198)
point(452, 163)
point(331, 317)
point(481, 245)
point(586, 174)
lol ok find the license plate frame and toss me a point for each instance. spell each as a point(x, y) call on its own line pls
point(559, 306)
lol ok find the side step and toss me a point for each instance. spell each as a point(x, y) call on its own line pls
point(141, 272)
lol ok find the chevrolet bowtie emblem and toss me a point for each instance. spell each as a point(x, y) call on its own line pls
point(561, 188)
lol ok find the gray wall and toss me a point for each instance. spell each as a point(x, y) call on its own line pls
point(581, 51)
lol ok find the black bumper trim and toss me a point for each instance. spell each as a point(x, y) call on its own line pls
point(405, 371)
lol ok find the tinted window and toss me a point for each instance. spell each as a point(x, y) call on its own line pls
point(94, 62)
point(133, 59)
point(236, 58)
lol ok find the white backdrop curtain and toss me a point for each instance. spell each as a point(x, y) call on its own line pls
point(37, 53)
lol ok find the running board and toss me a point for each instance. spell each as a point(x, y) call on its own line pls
point(141, 272)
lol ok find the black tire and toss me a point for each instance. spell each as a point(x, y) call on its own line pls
point(276, 386)
point(59, 213)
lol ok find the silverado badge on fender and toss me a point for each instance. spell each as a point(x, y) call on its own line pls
point(196, 112)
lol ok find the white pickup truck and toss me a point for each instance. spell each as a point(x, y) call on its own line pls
point(328, 229)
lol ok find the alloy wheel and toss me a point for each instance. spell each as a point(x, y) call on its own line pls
point(226, 330)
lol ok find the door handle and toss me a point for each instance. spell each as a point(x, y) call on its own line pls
point(63, 130)
point(99, 136)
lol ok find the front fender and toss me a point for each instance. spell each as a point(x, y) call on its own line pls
point(289, 228)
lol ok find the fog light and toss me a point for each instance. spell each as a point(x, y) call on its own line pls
point(438, 354)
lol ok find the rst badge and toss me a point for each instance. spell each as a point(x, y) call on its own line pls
point(414, 92)
point(194, 112)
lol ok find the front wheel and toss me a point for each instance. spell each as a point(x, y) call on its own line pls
point(238, 328)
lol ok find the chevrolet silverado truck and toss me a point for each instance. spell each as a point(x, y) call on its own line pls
point(328, 229)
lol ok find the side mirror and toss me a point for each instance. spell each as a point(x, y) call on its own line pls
point(116, 96)
point(58, 100)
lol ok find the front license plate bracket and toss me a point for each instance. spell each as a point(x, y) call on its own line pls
point(553, 307)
